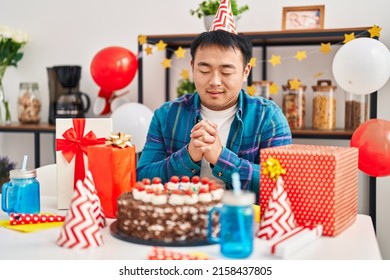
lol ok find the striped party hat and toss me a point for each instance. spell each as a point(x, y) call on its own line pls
point(278, 218)
point(224, 19)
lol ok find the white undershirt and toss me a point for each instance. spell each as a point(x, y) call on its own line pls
point(223, 120)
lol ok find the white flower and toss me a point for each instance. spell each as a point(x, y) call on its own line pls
point(11, 43)
point(20, 37)
point(6, 32)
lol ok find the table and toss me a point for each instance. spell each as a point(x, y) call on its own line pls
point(35, 129)
point(356, 242)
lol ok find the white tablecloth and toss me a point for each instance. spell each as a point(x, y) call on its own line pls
point(356, 242)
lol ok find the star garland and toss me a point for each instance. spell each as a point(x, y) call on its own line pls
point(180, 53)
point(375, 31)
point(251, 90)
point(349, 37)
point(294, 84)
point(161, 45)
point(301, 55)
point(185, 74)
point(166, 63)
point(274, 60)
point(325, 48)
point(252, 62)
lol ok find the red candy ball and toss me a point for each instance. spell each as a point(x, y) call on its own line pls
point(205, 180)
point(156, 180)
point(175, 179)
point(146, 181)
point(185, 179)
point(195, 179)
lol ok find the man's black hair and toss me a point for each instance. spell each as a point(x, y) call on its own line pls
point(225, 40)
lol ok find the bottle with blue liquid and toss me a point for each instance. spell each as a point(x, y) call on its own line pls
point(236, 223)
point(21, 194)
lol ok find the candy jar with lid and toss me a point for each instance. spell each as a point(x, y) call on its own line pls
point(324, 105)
point(29, 104)
point(294, 102)
point(262, 88)
point(356, 110)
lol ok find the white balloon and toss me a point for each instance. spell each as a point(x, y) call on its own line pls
point(134, 119)
point(362, 66)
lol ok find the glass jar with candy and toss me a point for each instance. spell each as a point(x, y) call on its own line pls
point(294, 102)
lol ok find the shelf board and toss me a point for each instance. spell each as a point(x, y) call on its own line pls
point(18, 127)
point(310, 133)
point(272, 38)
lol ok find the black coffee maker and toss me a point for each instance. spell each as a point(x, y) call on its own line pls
point(66, 100)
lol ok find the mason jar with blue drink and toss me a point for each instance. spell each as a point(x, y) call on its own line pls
point(236, 224)
point(21, 194)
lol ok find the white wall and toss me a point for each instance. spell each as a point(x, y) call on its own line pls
point(73, 31)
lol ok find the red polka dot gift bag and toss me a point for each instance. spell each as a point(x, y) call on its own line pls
point(321, 183)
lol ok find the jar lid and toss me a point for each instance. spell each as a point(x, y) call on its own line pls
point(288, 86)
point(262, 82)
point(243, 199)
point(324, 85)
point(28, 85)
point(22, 174)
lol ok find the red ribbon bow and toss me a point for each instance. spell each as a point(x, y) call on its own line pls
point(75, 145)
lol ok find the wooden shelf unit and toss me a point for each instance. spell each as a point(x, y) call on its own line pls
point(270, 39)
point(36, 130)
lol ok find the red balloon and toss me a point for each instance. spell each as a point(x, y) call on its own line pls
point(114, 68)
point(372, 138)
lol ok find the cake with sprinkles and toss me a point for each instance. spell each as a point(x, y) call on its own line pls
point(172, 212)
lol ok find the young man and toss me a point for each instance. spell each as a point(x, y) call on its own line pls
point(219, 129)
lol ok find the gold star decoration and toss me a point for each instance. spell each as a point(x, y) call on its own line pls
point(349, 37)
point(180, 53)
point(274, 60)
point(148, 50)
point(318, 74)
point(294, 84)
point(185, 74)
point(273, 168)
point(375, 31)
point(142, 39)
point(166, 63)
point(252, 62)
point(161, 45)
point(300, 55)
point(325, 48)
point(273, 88)
point(251, 90)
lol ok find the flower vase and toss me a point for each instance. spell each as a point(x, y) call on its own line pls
point(5, 116)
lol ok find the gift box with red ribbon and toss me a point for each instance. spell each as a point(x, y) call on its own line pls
point(321, 183)
point(73, 136)
point(114, 171)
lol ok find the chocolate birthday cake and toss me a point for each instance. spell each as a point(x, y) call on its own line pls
point(173, 212)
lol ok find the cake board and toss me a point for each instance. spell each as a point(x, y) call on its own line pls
point(117, 234)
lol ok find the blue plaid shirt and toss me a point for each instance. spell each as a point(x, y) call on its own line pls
point(258, 123)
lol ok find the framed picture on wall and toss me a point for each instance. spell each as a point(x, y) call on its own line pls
point(303, 17)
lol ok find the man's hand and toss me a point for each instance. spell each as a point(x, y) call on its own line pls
point(205, 142)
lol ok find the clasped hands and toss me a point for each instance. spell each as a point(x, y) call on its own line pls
point(205, 142)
